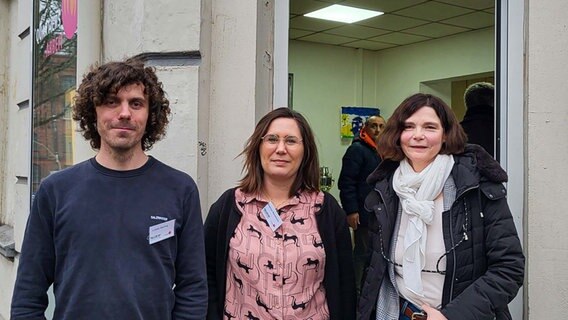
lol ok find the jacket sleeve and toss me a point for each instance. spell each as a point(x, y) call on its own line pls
point(37, 262)
point(190, 278)
point(505, 268)
point(345, 260)
point(211, 247)
point(349, 178)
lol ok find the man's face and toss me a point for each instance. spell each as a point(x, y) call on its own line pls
point(374, 126)
point(121, 119)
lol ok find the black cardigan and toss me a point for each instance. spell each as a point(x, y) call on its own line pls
point(339, 280)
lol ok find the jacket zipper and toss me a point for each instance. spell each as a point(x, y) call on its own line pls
point(383, 249)
point(453, 278)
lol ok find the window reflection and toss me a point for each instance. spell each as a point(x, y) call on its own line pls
point(54, 82)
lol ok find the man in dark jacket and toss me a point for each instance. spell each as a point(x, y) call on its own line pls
point(479, 119)
point(360, 159)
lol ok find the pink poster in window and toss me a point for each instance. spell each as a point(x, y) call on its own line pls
point(69, 17)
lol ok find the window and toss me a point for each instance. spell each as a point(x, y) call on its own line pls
point(53, 88)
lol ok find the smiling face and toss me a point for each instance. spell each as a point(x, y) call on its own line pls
point(422, 138)
point(121, 120)
point(280, 162)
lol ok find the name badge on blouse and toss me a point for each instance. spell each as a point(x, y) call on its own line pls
point(161, 231)
point(272, 217)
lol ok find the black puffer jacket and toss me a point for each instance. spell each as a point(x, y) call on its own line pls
point(485, 266)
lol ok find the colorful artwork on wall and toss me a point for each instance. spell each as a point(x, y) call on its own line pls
point(353, 118)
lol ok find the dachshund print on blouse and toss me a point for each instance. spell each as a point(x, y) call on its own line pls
point(276, 274)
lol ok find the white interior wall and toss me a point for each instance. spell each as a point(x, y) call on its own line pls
point(325, 78)
point(441, 89)
point(401, 70)
point(328, 77)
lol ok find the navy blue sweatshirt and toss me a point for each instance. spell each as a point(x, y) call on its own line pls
point(88, 235)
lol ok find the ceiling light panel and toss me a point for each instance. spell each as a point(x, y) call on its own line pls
point(341, 13)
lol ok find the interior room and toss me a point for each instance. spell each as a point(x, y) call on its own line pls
point(437, 47)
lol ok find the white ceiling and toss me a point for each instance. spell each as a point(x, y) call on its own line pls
point(404, 22)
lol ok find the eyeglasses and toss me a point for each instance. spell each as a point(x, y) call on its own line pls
point(274, 139)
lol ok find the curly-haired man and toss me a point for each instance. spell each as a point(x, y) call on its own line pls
point(119, 235)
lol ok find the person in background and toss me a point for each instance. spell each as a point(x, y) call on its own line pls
point(277, 247)
point(444, 243)
point(120, 235)
point(360, 159)
point(479, 119)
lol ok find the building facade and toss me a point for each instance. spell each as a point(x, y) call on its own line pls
point(223, 65)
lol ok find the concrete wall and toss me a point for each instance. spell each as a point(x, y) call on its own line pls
point(15, 129)
point(6, 267)
point(4, 92)
point(328, 77)
point(240, 62)
point(547, 169)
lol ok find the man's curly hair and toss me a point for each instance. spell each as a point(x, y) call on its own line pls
point(109, 78)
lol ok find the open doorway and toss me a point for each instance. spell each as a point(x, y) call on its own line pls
point(356, 76)
point(414, 46)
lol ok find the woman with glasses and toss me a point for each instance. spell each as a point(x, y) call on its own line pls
point(444, 244)
point(278, 247)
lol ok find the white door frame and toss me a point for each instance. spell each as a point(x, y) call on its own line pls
point(510, 84)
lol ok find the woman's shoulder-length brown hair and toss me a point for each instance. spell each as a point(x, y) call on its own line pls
point(389, 139)
point(307, 178)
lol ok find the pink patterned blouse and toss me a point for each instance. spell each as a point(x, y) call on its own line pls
point(276, 274)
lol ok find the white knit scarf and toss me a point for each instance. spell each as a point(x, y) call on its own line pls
point(417, 191)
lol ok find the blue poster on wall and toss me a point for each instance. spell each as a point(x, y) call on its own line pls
point(353, 118)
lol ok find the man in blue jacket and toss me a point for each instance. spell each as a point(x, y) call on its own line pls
point(120, 235)
point(360, 159)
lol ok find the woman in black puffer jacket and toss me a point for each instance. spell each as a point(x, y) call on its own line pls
point(444, 244)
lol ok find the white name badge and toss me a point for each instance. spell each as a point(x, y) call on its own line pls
point(272, 217)
point(161, 231)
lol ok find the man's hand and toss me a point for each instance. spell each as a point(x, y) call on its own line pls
point(353, 220)
point(433, 314)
